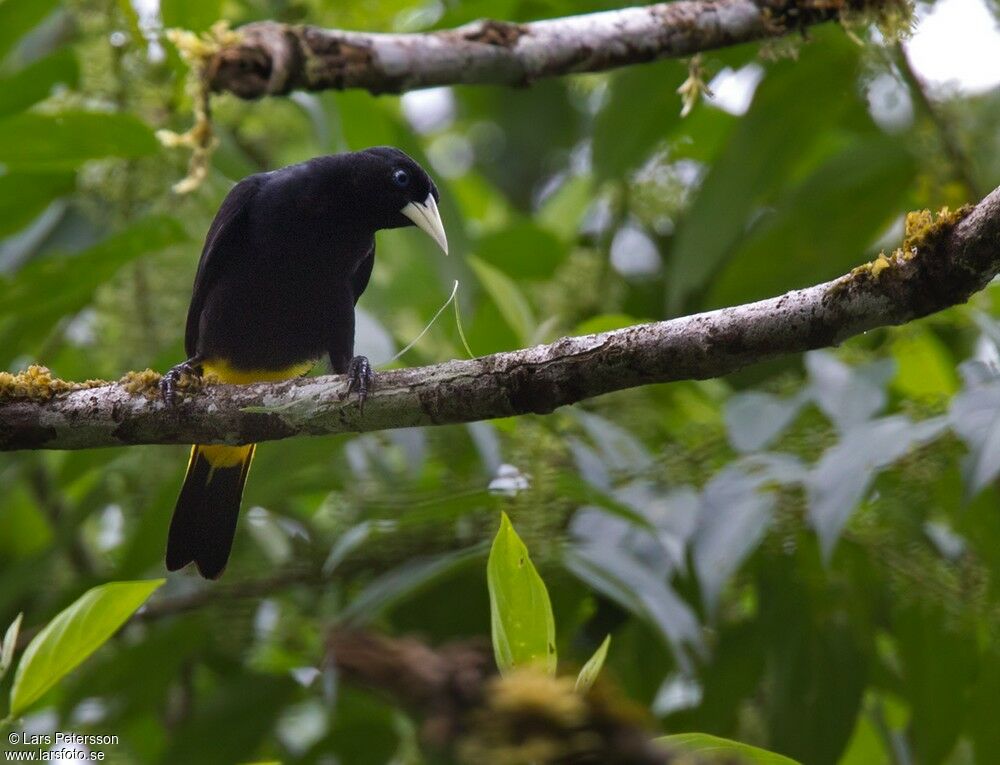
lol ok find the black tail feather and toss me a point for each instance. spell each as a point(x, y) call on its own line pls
point(204, 521)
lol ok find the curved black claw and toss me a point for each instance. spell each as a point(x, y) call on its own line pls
point(361, 379)
point(168, 383)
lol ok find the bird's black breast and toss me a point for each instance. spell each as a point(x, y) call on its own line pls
point(283, 277)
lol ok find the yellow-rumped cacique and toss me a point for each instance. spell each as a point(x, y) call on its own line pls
point(284, 263)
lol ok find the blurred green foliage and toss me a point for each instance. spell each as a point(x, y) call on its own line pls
point(804, 556)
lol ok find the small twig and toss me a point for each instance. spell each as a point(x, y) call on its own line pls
point(960, 162)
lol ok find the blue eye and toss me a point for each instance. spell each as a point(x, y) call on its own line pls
point(401, 178)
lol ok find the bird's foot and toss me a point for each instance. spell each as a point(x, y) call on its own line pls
point(360, 378)
point(171, 380)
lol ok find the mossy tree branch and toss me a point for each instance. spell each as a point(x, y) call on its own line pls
point(942, 263)
point(273, 59)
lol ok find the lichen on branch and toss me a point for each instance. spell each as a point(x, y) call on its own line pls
point(925, 234)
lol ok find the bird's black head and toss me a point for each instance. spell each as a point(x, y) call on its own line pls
point(400, 191)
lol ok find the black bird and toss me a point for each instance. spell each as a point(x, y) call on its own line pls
point(285, 260)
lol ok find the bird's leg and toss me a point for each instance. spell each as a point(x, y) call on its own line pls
point(358, 369)
point(360, 378)
point(168, 383)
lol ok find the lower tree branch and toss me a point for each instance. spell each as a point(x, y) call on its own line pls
point(477, 716)
point(274, 59)
point(942, 263)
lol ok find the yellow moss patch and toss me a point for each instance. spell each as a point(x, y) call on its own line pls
point(878, 265)
point(924, 231)
point(146, 382)
point(528, 716)
point(36, 383)
point(532, 691)
point(923, 236)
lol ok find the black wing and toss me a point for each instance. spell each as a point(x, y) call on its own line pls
point(228, 226)
point(361, 275)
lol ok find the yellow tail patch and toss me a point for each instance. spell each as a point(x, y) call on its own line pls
point(225, 372)
point(221, 456)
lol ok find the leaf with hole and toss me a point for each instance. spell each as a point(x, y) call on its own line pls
point(522, 624)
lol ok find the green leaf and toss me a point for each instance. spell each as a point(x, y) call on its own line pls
point(18, 17)
point(246, 706)
point(522, 250)
point(937, 660)
point(641, 111)
point(404, 581)
point(787, 117)
point(195, 15)
point(507, 296)
point(982, 706)
point(68, 282)
point(132, 20)
point(563, 210)
point(24, 195)
point(24, 529)
point(65, 140)
point(9, 644)
point(823, 226)
point(522, 625)
point(817, 644)
point(924, 366)
point(590, 670)
point(35, 82)
point(724, 749)
point(73, 635)
point(702, 135)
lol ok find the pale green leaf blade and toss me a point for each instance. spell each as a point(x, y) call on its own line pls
point(36, 81)
point(18, 17)
point(9, 644)
point(195, 15)
point(24, 195)
point(73, 635)
point(63, 141)
point(785, 121)
point(69, 282)
point(522, 624)
point(589, 672)
point(509, 299)
point(724, 749)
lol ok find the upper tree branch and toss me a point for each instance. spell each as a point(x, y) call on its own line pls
point(940, 265)
point(274, 59)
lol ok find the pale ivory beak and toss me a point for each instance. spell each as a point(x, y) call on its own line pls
point(427, 218)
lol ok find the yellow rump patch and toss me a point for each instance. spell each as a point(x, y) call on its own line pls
point(222, 456)
point(227, 373)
